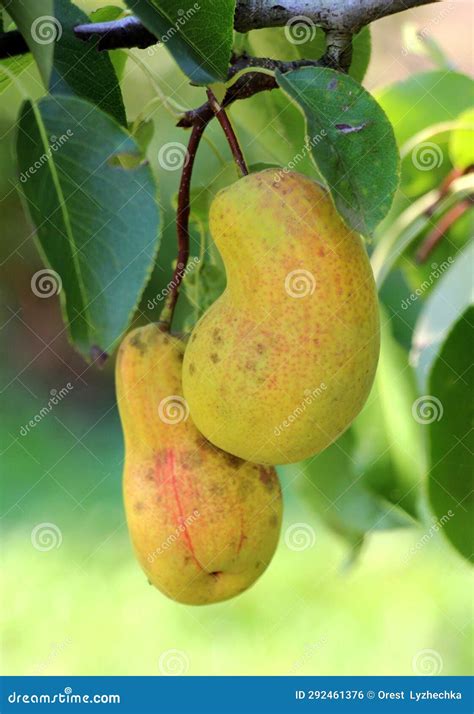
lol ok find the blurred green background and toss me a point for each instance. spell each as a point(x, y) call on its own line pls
point(396, 605)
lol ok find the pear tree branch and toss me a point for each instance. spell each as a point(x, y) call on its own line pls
point(341, 17)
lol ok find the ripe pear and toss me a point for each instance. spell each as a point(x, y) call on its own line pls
point(204, 524)
point(282, 362)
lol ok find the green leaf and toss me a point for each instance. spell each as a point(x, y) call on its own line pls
point(392, 295)
point(198, 34)
point(96, 222)
point(36, 21)
point(361, 51)
point(333, 486)
point(13, 67)
point(107, 13)
point(143, 134)
point(352, 143)
point(425, 99)
point(78, 68)
point(390, 448)
point(461, 144)
point(450, 298)
point(448, 415)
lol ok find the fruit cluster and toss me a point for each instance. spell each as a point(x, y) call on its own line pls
point(274, 372)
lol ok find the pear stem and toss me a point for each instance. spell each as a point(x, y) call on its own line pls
point(182, 223)
point(229, 132)
point(184, 199)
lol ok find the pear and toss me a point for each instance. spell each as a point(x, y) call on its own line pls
point(204, 524)
point(279, 366)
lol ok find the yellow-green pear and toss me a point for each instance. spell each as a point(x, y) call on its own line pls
point(204, 524)
point(283, 361)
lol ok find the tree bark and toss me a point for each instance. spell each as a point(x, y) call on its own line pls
point(342, 15)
